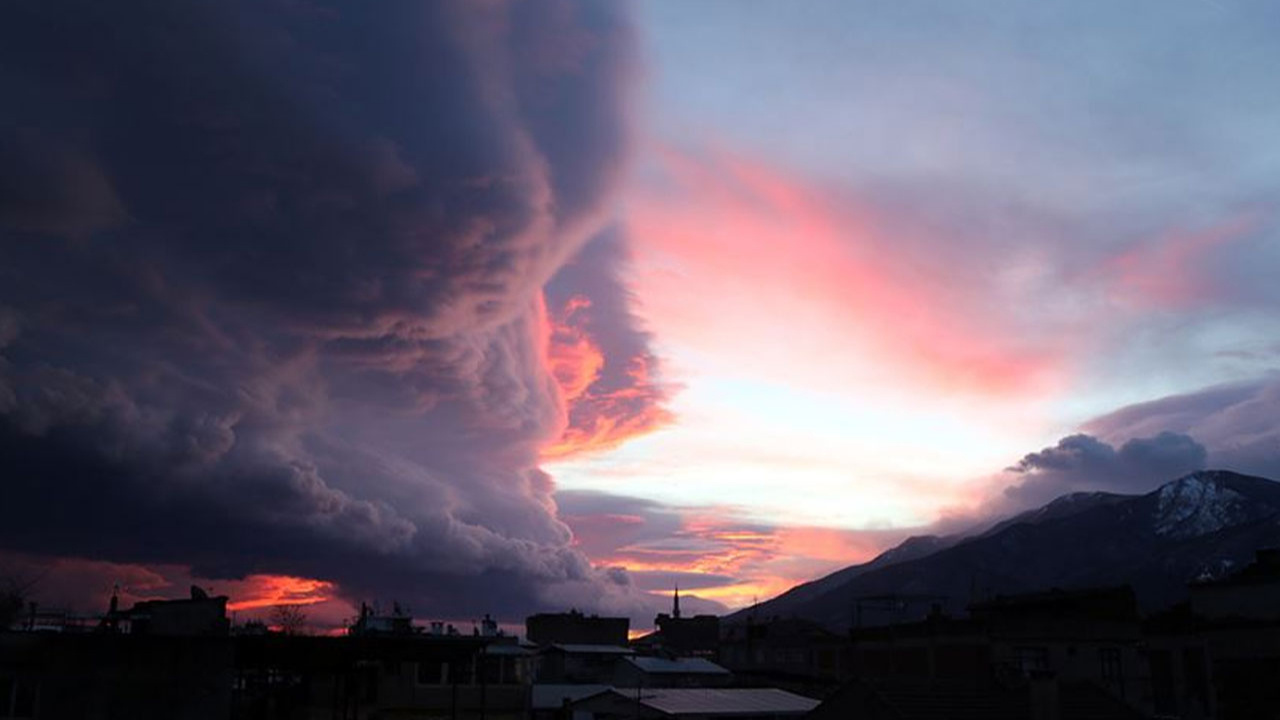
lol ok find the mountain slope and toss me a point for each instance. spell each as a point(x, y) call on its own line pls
point(1206, 522)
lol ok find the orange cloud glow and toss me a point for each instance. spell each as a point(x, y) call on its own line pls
point(263, 591)
point(601, 416)
point(574, 360)
point(741, 561)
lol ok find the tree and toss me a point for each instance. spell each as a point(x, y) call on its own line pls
point(15, 591)
point(289, 619)
point(11, 601)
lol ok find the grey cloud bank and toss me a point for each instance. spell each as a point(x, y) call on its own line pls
point(269, 287)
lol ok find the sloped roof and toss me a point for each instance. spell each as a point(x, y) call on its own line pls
point(597, 649)
point(659, 665)
point(725, 701)
point(963, 701)
point(549, 697)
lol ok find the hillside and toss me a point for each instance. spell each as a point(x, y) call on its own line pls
point(1200, 525)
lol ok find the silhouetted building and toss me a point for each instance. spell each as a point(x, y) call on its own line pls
point(1076, 638)
point(575, 628)
point(1218, 656)
point(691, 704)
point(159, 659)
point(200, 615)
point(381, 675)
point(105, 675)
point(659, 672)
point(1040, 698)
point(551, 701)
point(1253, 593)
point(564, 663)
point(784, 649)
point(698, 636)
point(370, 622)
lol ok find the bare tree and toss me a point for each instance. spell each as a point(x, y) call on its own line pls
point(15, 592)
point(11, 601)
point(290, 619)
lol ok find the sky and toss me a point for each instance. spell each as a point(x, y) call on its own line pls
point(518, 306)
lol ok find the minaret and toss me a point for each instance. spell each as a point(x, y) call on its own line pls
point(675, 604)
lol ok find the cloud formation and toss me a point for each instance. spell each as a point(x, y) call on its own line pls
point(1138, 447)
point(1082, 462)
point(1236, 422)
point(600, 354)
point(271, 287)
point(720, 554)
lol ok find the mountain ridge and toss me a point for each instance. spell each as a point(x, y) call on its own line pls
point(1199, 525)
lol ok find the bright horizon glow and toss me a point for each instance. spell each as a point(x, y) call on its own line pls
point(881, 271)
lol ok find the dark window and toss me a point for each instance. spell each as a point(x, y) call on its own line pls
point(1162, 681)
point(1110, 664)
point(24, 700)
point(490, 670)
point(1031, 659)
point(1194, 668)
point(433, 672)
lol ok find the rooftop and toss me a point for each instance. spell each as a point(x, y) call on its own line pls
point(723, 701)
point(600, 649)
point(658, 665)
point(546, 697)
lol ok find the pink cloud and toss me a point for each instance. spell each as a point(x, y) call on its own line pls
point(731, 248)
point(600, 415)
point(1170, 271)
point(737, 559)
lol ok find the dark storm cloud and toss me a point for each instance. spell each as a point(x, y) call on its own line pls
point(1080, 463)
point(269, 280)
point(604, 523)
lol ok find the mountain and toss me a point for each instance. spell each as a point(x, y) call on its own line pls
point(1204, 524)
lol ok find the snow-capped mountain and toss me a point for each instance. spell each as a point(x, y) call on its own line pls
point(1198, 526)
point(1201, 503)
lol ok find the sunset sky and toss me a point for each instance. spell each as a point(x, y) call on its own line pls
point(326, 302)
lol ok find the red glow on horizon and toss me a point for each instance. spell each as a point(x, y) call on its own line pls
point(265, 591)
point(741, 561)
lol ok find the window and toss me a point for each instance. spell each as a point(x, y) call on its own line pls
point(433, 672)
point(1110, 666)
point(1031, 659)
point(1195, 669)
point(17, 698)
